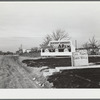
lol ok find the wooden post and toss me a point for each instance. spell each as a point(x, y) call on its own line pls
point(71, 55)
point(72, 61)
point(76, 45)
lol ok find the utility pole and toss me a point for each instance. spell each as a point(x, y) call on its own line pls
point(20, 48)
point(76, 44)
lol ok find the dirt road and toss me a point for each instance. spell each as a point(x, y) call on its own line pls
point(13, 74)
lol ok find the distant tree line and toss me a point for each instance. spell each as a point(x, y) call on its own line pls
point(32, 50)
point(6, 53)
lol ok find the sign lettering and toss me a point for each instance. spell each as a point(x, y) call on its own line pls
point(80, 58)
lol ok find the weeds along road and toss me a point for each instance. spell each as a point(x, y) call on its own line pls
point(14, 75)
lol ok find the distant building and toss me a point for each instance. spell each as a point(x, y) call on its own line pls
point(26, 50)
point(23, 50)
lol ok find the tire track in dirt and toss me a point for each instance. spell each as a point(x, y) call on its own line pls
point(14, 75)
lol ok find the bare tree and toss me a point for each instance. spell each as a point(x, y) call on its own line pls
point(86, 45)
point(57, 35)
point(46, 41)
point(93, 44)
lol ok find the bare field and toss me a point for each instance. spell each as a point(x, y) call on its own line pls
point(57, 61)
point(77, 78)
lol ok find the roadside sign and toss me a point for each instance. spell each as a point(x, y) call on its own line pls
point(83, 52)
point(80, 58)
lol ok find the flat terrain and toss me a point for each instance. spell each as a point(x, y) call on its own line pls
point(14, 74)
point(77, 78)
point(70, 78)
point(57, 61)
point(50, 62)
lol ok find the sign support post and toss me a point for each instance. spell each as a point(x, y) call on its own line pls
point(72, 60)
point(72, 56)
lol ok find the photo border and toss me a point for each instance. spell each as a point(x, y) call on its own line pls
point(72, 94)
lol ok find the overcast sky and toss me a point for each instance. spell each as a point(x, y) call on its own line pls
point(27, 23)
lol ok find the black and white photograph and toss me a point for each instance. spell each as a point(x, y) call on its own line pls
point(50, 45)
